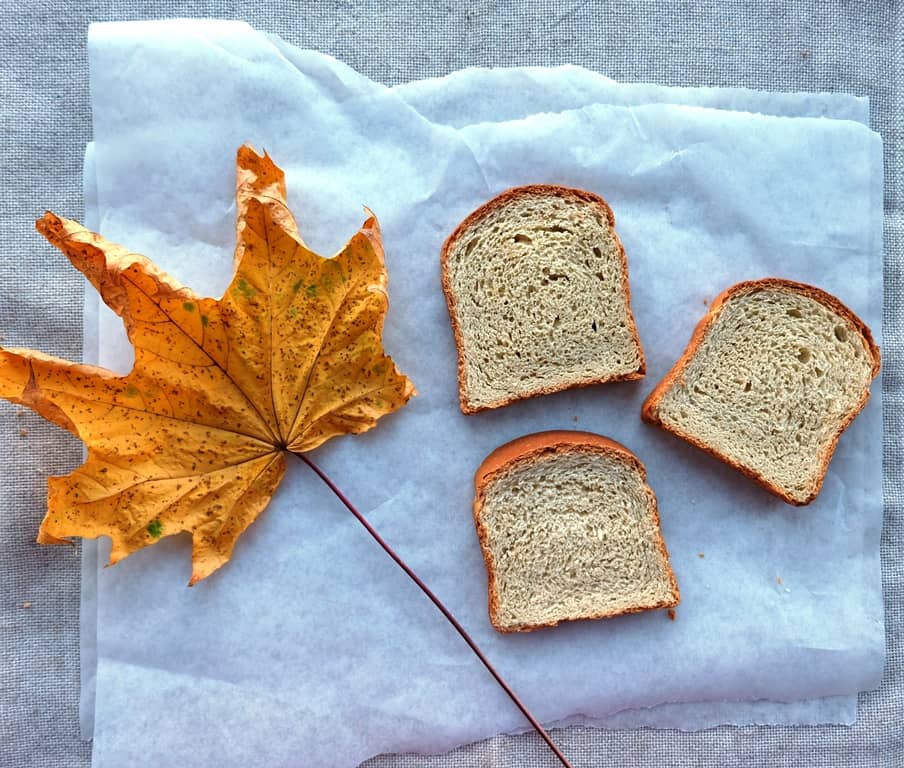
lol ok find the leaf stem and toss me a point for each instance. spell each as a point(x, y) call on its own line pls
point(440, 606)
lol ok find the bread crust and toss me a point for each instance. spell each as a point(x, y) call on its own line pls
point(527, 448)
point(475, 217)
point(650, 409)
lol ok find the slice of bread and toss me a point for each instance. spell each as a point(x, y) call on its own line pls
point(772, 376)
point(569, 530)
point(537, 286)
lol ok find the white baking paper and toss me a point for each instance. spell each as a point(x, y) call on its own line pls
point(87, 635)
point(480, 95)
point(310, 633)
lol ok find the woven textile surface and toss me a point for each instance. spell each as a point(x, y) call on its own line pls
point(46, 121)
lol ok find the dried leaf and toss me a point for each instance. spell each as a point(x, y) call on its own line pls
point(194, 438)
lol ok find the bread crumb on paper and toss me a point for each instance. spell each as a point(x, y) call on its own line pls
point(26, 604)
point(672, 614)
point(700, 555)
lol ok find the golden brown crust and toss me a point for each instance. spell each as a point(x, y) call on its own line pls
point(474, 218)
point(528, 448)
point(650, 409)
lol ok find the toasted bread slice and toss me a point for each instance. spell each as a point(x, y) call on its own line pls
point(773, 374)
point(537, 286)
point(569, 530)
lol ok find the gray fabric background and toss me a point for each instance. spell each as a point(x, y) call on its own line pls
point(45, 117)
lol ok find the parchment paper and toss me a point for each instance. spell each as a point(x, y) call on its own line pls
point(363, 652)
point(479, 95)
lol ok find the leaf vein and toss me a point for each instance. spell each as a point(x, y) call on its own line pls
point(207, 354)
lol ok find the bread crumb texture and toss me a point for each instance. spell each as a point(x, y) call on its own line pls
point(572, 534)
point(778, 375)
point(537, 287)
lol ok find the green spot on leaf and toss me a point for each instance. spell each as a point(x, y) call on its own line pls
point(291, 312)
point(312, 290)
point(243, 288)
point(188, 306)
point(336, 268)
point(296, 286)
point(155, 529)
point(130, 391)
point(204, 320)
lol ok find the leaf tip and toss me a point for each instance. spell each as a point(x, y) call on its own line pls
point(198, 575)
point(47, 224)
point(48, 538)
point(246, 153)
point(249, 159)
point(370, 223)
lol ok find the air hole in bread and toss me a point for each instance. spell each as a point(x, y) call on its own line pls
point(840, 333)
point(804, 355)
point(521, 238)
point(794, 312)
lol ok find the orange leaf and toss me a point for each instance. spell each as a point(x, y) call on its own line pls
point(194, 438)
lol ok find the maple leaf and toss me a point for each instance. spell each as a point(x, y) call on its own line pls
point(194, 438)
